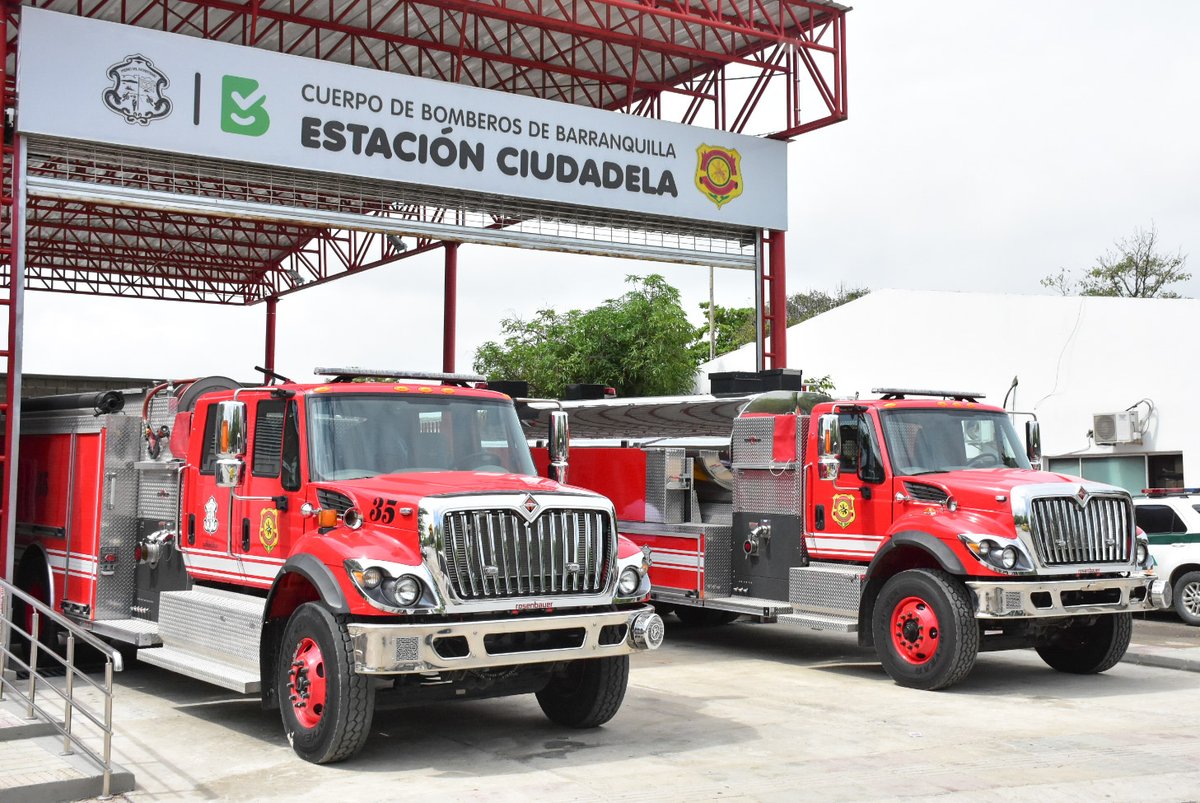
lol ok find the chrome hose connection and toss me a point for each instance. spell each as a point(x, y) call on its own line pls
point(1160, 593)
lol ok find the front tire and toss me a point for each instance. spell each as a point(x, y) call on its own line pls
point(326, 707)
point(1088, 646)
point(1187, 598)
point(586, 693)
point(925, 631)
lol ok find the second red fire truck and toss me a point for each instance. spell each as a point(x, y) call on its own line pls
point(918, 520)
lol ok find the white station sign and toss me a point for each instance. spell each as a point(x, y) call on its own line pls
point(98, 81)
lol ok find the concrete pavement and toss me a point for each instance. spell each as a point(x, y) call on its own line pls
point(744, 712)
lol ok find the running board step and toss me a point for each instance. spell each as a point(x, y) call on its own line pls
point(212, 628)
point(200, 667)
point(813, 621)
point(767, 608)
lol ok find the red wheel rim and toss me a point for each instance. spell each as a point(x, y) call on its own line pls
point(306, 683)
point(915, 631)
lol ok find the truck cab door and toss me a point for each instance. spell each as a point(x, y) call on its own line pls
point(850, 515)
point(267, 503)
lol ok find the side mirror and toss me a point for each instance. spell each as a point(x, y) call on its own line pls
point(1033, 444)
point(559, 445)
point(231, 429)
point(829, 446)
point(231, 443)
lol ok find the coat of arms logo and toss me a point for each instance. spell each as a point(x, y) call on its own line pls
point(718, 173)
point(210, 515)
point(137, 91)
point(268, 528)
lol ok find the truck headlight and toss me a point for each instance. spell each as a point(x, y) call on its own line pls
point(404, 591)
point(372, 577)
point(1008, 558)
point(628, 582)
point(1143, 553)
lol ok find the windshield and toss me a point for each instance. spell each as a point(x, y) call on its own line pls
point(923, 441)
point(364, 435)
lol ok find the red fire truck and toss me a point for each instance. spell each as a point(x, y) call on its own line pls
point(331, 545)
point(917, 520)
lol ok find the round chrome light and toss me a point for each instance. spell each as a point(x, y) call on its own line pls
point(352, 518)
point(1008, 558)
point(372, 577)
point(986, 547)
point(1143, 552)
point(629, 581)
point(404, 591)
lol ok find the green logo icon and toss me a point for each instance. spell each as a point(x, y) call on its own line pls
point(242, 107)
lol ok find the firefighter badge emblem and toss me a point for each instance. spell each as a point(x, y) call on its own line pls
point(718, 174)
point(843, 510)
point(210, 515)
point(268, 528)
point(137, 91)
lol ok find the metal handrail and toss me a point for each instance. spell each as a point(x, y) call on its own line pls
point(112, 662)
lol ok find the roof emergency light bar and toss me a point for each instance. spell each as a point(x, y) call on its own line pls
point(1155, 493)
point(350, 374)
point(900, 393)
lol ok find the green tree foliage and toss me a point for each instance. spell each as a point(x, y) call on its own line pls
point(802, 306)
point(639, 343)
point(1133, 268)
point(734, 327)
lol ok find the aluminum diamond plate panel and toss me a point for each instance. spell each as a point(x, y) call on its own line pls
point(115, 582)
point(665, 500)
point(765, 491)
point(158, 495)
point(718, 560)
point(826, 588)
point(212, 623)
point(754, 441)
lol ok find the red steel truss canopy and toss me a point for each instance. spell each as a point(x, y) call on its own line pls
point(773, 68)
point(743, 66)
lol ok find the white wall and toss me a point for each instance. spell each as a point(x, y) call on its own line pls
point(1073, 357)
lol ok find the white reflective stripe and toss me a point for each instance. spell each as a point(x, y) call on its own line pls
point(230, 566)
point(662, 559)
point(860, 545)
point(80, 562)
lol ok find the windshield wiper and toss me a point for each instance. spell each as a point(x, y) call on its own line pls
point(931, 471)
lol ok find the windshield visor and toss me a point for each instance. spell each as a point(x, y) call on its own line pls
point(364, 435)
point(924, 441)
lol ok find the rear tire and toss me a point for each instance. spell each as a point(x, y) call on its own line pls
point(925, 631)
point(326, 707)
point(1187, 598)
point(586, 693)
point(1089, 646)
point(33, 580)
point(704, 617)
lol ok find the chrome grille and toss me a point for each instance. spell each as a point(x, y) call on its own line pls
point(1066, 532)
point(496, 553)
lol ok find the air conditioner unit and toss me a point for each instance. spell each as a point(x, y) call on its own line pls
point(1110, 428)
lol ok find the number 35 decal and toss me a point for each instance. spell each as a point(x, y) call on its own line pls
point(383, 510)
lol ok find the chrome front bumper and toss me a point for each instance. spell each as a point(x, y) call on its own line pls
point(390, 649)
point(1007, 599)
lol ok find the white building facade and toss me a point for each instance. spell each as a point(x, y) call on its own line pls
point(1112, 380)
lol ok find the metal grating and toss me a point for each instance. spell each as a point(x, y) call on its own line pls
point(497, 554)
point(1066, 532)
point(104, 219)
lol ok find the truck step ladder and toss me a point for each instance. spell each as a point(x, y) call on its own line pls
point(210, 635)
point(825, 596)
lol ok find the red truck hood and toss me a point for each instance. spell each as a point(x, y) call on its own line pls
point(978, 489)
point(415, 485)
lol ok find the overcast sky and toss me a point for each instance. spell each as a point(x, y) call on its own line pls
point(988, 145)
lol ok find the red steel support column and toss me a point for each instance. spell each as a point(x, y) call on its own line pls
point(269, 356)
point(449, 315)
point(775, 318)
